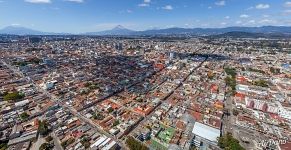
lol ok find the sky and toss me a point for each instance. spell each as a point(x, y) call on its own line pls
point(78, 16)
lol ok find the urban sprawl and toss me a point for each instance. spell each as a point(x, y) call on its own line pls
point(105, 93)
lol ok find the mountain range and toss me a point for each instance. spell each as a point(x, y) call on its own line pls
point(120, 30)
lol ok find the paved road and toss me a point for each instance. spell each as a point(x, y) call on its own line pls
point(57, 142)
point(38, 143)
point(55, 99)
point(165, 100)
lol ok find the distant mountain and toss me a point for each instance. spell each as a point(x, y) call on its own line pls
point(118, 30)
point(238, 34)
point(17, 30)
point(216, 31)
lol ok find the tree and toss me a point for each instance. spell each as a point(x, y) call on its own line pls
point(49, 138)
point(43, 128)
point(110, 109)
point(98, 116)
point(133, 144)
point(24, 116)
point(3, 145)
point(261, 83)
point(275, 70)
point(229, 143)
point(230, 71)
point(46, 146)
point(85, 141)
point(67, 142)
point(13, 96)
point(116, 122)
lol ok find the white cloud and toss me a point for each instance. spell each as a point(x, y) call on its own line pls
point(226, 17)
point(223, 23)
point(38, 1)
point(262, 6)
point(252, 21)
point(250, 8)
point(287, 12)
point(76, 1)
point(238, 22)
point(287, 4)
point(15, 24)
point(244, 16)
point(220, 3)
point(143, 5)
point(168, 7)
point(129, 11)
point(209, 7)
point(269, 21)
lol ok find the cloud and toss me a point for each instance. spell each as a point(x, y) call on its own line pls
point(38, 1)
point(76, 1)
point(15, 24)
point(143, 5)
point(146, 3)
point(129, 11)
point(252, 21)
point(287, 12)
point(220, 3)
point(168, 7)
point(250, 8)
point(265, 21)
point(226, 17)
point(262, 6)
point(238, 22)
point(244, 16)
point(223, 23)
point(287, 4)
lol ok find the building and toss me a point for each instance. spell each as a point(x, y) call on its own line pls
point(204, 135)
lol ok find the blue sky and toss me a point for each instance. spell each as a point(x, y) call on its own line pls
point(77, 16)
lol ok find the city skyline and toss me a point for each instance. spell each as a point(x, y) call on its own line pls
point(77, 16)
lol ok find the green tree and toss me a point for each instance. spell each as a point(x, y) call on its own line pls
point(133, 144)
point(261, 83)
point(110, 109)
point(49, 138)
point(43, 128)
point(98, 116)
point(13, 96)
point(229, 143)
point(85, 141)
point(24, 116)
point(46, 146)
point(67, 142)
point(116, 122)
point(230, 71)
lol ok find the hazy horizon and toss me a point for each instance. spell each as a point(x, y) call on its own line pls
point(79, 16)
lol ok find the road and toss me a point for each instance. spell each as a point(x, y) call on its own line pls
point(89, 121)
point(165, 100)
point(57, 142)
point(38, 143)
point(55, 99)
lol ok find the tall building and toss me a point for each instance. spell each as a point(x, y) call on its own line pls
point(118, 46)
